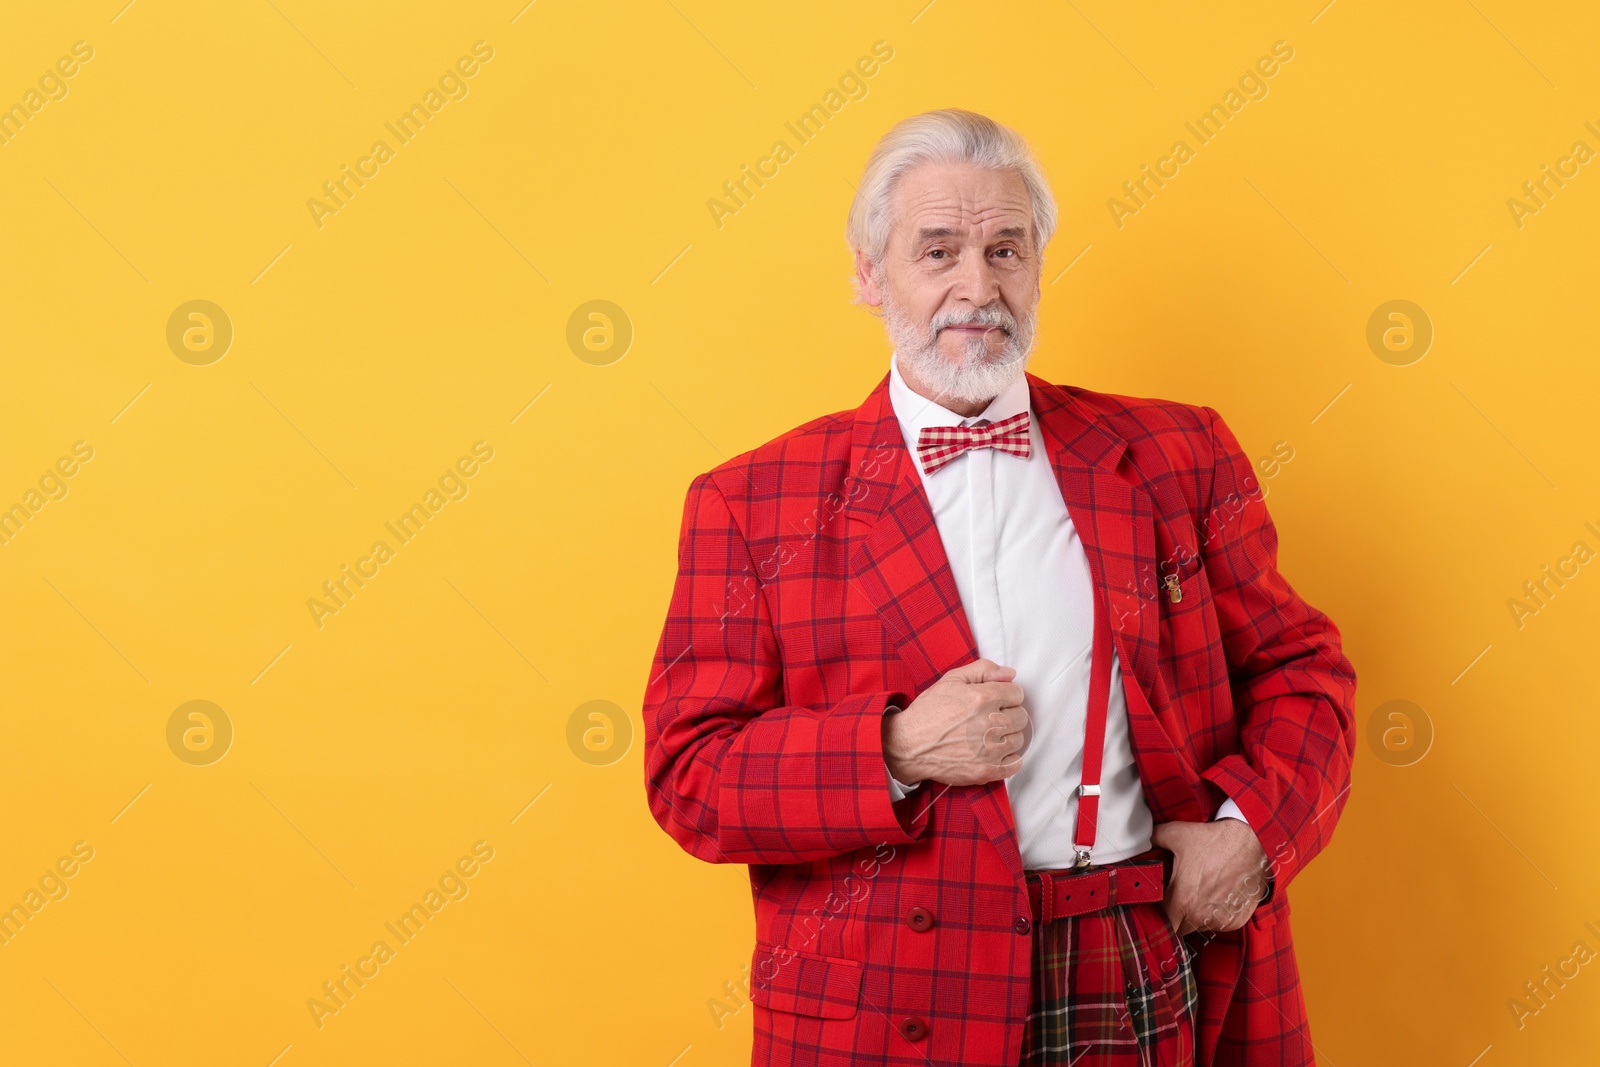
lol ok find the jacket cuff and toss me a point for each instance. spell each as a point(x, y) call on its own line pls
point(909, 821)
point(898, 790)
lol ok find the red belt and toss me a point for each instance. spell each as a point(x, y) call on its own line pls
point(1056, 894)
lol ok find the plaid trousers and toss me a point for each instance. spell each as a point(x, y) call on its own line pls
point(1111, 988)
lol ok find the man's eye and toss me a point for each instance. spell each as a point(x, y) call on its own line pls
point(1009, 251)
point(938, 252)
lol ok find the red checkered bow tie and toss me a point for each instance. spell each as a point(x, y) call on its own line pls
point(938, 445)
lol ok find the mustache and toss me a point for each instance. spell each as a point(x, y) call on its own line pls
point(994, 317)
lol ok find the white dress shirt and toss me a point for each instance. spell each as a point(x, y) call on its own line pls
point(1027, 592)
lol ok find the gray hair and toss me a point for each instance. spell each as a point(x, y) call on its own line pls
point(950, 135)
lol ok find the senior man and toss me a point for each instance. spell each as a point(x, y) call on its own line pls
point(995, 684)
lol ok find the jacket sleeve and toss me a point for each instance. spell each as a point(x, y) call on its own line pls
point(732, 773)
point(1293, 688)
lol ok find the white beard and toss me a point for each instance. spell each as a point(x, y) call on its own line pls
point(976, 376)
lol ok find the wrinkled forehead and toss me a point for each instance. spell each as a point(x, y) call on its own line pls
point(961, 201)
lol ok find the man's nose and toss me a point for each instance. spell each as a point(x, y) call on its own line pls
point(977, 281)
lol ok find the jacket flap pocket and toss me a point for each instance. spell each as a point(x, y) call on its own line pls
point(823, 986)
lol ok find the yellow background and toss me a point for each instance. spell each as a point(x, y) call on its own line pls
point(431, 311)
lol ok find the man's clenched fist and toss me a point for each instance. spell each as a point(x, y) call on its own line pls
point(967, 728)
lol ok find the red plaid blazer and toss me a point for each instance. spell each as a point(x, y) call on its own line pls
point(813, 592)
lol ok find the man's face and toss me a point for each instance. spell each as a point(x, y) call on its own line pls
point(959, 283)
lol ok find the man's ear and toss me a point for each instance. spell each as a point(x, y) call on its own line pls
point(866, 280)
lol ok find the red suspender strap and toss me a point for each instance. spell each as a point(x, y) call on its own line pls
point(1094, 733)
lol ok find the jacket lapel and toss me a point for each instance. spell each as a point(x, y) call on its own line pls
point(898, 562)
point(1115, 520)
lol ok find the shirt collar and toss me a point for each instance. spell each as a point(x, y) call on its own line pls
point(916, 411)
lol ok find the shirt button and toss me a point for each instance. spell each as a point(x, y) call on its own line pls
point(913, 1028)
point(1022, 925)
point(919, 919)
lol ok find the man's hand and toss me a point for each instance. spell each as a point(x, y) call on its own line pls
point(967, 728)
point(1219, 873)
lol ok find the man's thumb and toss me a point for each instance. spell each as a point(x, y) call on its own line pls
point(982, 670)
